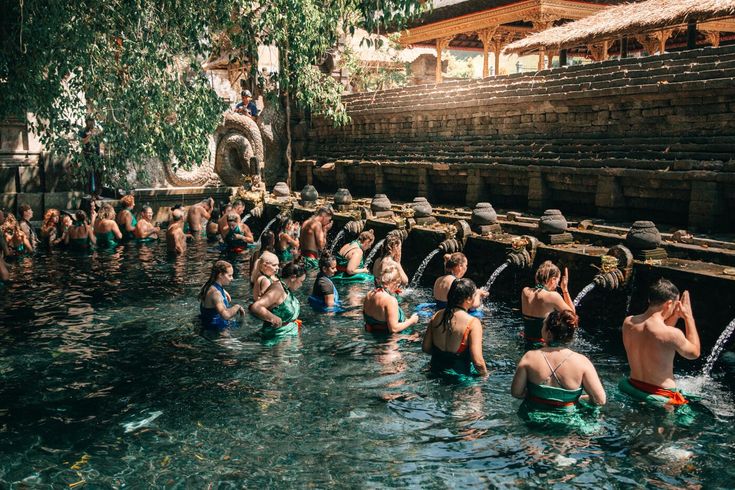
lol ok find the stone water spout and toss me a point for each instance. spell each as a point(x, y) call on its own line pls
point(401, 233)
point(457, 235)
point(522, 251)
point(616, 268)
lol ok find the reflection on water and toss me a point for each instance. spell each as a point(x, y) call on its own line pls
point(106, 381)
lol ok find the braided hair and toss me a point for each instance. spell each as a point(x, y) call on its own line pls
point(219, 267)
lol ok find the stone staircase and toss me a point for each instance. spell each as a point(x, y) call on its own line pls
point(646, 137)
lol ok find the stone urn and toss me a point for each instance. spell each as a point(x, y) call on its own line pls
point(643, 235)
point(309, 195)
point(342, 197)
point(484, 214)
point(281, 191)
point(552, 222)
point(380, 205)
point(421, 208)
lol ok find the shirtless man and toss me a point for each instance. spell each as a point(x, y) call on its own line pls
point(652, 340)
point(197, 215)
point(175, 236)
point(313, 237)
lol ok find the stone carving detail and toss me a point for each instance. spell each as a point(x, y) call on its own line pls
point(236, 149)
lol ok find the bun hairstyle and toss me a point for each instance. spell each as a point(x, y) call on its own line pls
point(292, 269)
point(81, 216)
point(219, 267)
point(389, 274)
point(460, 291)
point(452, 261)
point(326, 260)
point(366, 236)
point(547, 270)
point(390, 242)
point(562, 325)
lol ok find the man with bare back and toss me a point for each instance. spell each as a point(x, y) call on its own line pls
point(197, 216)
point(652, 340)
point(313, 237)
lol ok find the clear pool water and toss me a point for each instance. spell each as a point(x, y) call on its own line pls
point(106, 383)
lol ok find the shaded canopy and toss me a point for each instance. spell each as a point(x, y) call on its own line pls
point(625, 19)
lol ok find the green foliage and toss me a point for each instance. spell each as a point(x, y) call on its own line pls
point(365, 78)
point(136, 67)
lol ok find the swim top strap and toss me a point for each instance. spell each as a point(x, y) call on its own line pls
point(465, 336)
point(553, 370)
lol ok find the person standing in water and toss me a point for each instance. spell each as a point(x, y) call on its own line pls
point(454, 337)
point(324, 296)
point(175, 236)
point(551, 379)
point(215, 308)
point(390, 254)
point(542, 299)
point(144, 229)
point(81, 236)
point(278, 307)
point(652, 341)
point(381, 311)
point(106, 229)
point(125, 219)
point(313, 237)
point(455, 266)
point(197, 216)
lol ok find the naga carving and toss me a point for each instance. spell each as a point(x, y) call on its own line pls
point(237, 152)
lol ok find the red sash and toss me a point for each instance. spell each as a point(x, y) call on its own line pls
point(675, 397)
point(551, 403)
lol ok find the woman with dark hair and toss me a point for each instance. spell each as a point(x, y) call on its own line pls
point(542, 299)
point(551, 379)
point(287, 240)
point(381, 311)
point(455, 267)
point(278, 307)
point(81, 235)
point(214, 302)
point(454, 337)
point(24, 221)
point(237, 240)
point(324, 297)
point(350, 259)
point(390, 253)
point(125, 219)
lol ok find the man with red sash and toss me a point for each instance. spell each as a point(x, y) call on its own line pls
point(313, 237)
point(651, 341)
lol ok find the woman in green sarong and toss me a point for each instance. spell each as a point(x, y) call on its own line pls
point(551, 380)
point(80, 236)
point(278, 307)
point(105, 228)
point(350, 260)
point(125, 218)
point(287, 240)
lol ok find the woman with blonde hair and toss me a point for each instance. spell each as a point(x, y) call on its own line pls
point(390, 253)
point(106, 229)
point(542, 299)
point(50, 227)
point(350, 259)
point(380, 309)
point(278, 307)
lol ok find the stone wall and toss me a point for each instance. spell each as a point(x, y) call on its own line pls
point(639, 138)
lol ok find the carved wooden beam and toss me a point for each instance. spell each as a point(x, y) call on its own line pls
point(485, 36)
point(713, 37)
point(441, 45)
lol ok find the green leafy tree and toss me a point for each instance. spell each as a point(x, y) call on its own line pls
point(135, 66)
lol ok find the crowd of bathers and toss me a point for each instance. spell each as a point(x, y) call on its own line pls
point(551, 378)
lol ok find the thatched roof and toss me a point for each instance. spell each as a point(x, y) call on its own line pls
point(628, 19)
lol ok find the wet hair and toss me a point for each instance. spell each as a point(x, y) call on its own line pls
point(22, 209)
point(326, 260)
point(268, 241)
point(145, 209)
point(454, 260)
point(232, 217)
point(226, 206)
point(216, 215)
point(176, 206)
point(460, 291)
point(282, 224)
point(238, 202)
point(562, 325)
point(389, 274)
point(107, 212)
point(292, 269)
point(219, 267)
point(80, 216)
point(177, 214)
point(546, 271)
point(48, 216)
point(366, 236)
point(389, 242)
point(128, 201)
point(662, 291)
point(324, 211)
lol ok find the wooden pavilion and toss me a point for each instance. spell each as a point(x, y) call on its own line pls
point(490, 25)
point(653, 25)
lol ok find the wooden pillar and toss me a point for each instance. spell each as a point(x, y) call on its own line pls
point(497, 46)
point(541, 60)
point(692, 34)
point(624, 47)
point(441, 45)
point(563, 57)
point(486, 36)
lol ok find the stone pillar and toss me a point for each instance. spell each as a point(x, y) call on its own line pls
point(539, 197)
point(379, 179)
point(609, 198)
point(706, 207)
point(475, 187)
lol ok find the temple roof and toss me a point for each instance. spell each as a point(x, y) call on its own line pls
point(629, 20)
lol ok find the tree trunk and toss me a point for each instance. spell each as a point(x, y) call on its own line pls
point(286, 98)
